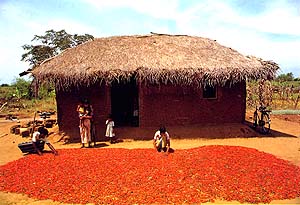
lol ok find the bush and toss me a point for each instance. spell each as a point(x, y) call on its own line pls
point(46, 91)
point(22, 88)
point(285, 77)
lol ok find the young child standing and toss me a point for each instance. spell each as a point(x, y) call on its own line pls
point(110, 129)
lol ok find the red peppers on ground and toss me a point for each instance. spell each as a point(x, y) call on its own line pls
point(143, 176)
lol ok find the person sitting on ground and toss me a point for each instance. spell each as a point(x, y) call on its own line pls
point(41, 135)
point(161, 140)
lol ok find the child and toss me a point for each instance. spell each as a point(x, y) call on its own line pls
point(110, 129)
point(40, 135)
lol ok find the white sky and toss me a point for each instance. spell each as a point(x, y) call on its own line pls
point(269, 29)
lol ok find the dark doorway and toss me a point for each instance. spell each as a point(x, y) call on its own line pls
point(124, 103)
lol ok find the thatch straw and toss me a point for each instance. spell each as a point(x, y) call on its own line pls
point(155, 58)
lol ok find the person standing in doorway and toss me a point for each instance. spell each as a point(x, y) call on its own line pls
point(110, 129)
point(85, 112)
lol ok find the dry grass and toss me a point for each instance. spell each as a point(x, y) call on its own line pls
point(155, 58)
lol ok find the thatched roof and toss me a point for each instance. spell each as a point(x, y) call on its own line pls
point(155, 58)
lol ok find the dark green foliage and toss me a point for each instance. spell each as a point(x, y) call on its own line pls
point(51, 44)
point(37, 54)
point(285, 77)
point(47, 46)
point(46, 91)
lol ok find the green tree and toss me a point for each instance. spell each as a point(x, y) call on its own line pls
point(51, 44)
point(47, 46)
point(22, 88)
point(297, 79)
point(285, 77)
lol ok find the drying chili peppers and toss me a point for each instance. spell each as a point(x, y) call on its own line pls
point(143, 176)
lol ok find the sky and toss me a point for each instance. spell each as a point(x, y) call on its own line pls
point(269, 29)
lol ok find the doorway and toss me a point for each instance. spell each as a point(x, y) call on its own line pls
point(125, 103)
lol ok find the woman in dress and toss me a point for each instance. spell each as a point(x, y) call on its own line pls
point(85, 112)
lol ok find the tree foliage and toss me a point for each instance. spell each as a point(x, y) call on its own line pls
point(22, 88)
point(51, 44)
point(285, 77)
point(47, 46)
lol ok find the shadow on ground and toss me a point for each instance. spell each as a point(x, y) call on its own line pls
point(272, 133)
point(207, 131)
point(204, 131)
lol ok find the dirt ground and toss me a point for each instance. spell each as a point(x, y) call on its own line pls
point(291, 118)
point(283, 142)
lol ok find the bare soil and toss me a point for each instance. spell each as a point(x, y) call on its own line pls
point(283, 142)
point(291, 118)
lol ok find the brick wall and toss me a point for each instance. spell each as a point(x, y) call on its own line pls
point(67, 102)
point(158, 104)
point(176, 105)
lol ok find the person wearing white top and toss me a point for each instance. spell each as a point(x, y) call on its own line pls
point(161, 140)
point(40, 135)
point(110, 129)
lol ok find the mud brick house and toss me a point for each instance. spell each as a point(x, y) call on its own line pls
point(147, 80)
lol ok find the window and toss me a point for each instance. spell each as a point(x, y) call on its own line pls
point(210, 92)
